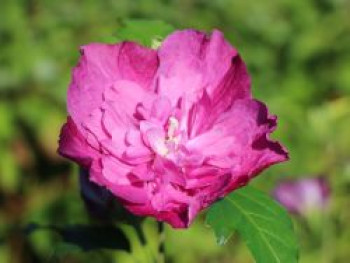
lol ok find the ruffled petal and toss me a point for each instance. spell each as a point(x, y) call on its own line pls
point(72, 145)
point(191, 61)
point(100, 66)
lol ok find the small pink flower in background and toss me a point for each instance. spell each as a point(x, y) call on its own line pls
point(304, 195)
point(167, 131)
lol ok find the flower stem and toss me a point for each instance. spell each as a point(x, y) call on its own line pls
point(161, 242)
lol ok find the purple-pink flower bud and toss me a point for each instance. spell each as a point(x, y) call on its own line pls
point(304, 195)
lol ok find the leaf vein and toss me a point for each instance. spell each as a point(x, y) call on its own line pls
point(258, 229)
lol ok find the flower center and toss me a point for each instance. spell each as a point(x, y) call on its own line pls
point(173, 125)
point(170, 143)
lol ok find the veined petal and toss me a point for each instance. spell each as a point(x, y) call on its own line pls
point(161, 109)
point(115, 172)
point(99, 67)
point(72, 145)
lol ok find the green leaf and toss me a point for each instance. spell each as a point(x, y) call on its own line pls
point(146, 32)
point(262, 223)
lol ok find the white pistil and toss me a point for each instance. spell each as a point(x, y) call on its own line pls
point(172, 127)
point(161, 148)
point(161, 145)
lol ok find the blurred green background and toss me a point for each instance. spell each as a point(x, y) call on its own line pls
point(298, 53)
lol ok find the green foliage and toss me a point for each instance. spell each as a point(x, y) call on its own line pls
point(146, 32)
point(263, 224)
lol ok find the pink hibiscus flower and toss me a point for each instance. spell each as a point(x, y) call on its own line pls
point(167, 131)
